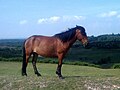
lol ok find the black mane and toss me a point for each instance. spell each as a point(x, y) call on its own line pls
point(69, 34)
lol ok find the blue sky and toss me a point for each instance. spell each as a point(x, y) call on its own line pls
point(23, 18)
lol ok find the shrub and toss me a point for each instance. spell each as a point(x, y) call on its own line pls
point(116, 66)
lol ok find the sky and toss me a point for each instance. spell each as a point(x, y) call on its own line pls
point(24, 18)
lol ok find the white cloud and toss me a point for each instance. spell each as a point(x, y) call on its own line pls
point(79, 17)
point(23, 22)
point(73, 18)
point(55, 19)
point(49, 20)
point(112, 13)
point(108, 14)
point(42, 20)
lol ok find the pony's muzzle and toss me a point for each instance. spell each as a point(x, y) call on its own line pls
point(84, 42)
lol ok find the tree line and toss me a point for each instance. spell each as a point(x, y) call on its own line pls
point(111, 41)
point(108, 41)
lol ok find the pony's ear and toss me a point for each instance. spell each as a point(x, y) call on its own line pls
point(77, 26)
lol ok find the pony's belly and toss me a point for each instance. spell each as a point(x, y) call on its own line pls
point(51, 55)
point(45, 52)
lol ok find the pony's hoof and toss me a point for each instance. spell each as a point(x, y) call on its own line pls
point(38, 74)
point(24, 74)
point(61, 77)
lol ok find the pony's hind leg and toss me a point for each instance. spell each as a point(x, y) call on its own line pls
point(35, 55)
point(25, 61)
point(24, 65)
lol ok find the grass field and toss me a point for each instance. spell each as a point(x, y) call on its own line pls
point(76, 78)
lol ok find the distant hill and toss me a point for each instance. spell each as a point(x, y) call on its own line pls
point(107, 37)
point(108, 41)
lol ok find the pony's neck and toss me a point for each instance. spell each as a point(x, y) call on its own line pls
point(70, 42)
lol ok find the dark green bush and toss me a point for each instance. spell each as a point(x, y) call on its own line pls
point(116, 66)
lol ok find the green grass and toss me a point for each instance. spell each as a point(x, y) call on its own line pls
point(76, 78)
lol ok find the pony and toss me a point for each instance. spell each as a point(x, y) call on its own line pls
point(52, 46)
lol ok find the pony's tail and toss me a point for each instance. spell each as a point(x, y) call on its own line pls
point(24, 64)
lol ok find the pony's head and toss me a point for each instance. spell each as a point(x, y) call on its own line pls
point(82, 36)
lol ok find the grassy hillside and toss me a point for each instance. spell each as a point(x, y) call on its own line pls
point(76, 78)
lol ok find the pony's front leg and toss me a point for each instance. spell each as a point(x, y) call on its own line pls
point(35, 55)
point(58, 71)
